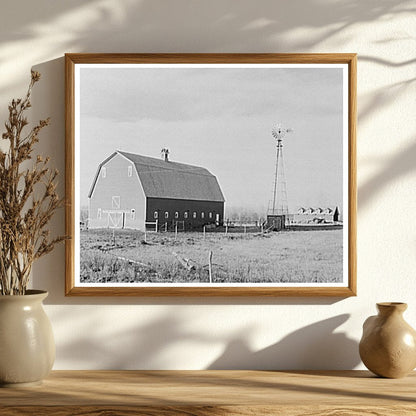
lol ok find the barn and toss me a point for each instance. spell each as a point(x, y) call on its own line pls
point(140, 192)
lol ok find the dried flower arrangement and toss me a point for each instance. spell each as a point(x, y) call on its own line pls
point(28, 199)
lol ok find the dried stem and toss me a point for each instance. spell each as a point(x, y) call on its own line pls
point(23, 217)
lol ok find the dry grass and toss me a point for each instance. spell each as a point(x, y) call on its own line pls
point(287, 257)
point(28, 197)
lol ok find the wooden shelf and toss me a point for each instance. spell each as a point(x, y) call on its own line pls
point(202, 393)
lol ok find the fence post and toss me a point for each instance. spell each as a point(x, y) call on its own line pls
point(204, 231)
point(210, 266)
point(176, 230)
point(226, 229)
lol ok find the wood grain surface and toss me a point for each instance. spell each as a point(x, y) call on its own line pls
point(203, 393)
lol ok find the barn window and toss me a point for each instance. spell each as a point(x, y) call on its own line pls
point(176, 214)
point(103, 172)
point(133, 214)
point(155, 215)
point(202, 215)
point(185, 214)
point(99, 214)
point(194, 214)
point(129, 170)
point(115, 202)
point(210, 215)
point(166, 214)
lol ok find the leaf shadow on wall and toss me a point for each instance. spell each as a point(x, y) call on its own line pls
point(133, 26)
point(396, 167)
point(403, 162)
point(151, 345)
point(313, 347)
point(116, 347)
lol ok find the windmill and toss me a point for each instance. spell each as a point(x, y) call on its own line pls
point(279, 202)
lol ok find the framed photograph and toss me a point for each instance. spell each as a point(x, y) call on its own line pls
point(211, 174)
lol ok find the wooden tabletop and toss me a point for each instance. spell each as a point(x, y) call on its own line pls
point(202, 393)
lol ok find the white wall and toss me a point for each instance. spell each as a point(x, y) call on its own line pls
point(199, 333)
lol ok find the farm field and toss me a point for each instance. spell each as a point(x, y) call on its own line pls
point(122, 256)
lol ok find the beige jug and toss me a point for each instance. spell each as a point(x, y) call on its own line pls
point(388, 345)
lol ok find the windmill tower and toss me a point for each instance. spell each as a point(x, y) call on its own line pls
point(279, 201)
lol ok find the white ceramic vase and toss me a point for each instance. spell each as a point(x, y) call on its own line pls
point(27, 347)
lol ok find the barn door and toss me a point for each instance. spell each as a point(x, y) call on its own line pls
point(115, 219)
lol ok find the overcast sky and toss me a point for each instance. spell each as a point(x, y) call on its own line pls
point(221, 119)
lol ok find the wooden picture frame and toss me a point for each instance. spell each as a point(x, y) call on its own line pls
point(98, 85)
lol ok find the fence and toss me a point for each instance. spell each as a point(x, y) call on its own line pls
point(237, 228)
point(153, 225)
point(175, 226)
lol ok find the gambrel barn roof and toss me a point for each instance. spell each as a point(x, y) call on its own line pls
point(172, 180)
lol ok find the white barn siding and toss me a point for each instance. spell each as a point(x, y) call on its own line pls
point(117, 183)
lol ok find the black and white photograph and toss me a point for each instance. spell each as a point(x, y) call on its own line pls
point(211, 175)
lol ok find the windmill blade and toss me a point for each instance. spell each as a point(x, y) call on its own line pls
point(279, 132)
